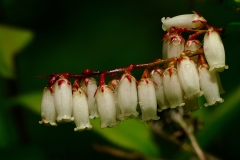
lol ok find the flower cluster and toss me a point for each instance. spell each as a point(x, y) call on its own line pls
point(187, 71)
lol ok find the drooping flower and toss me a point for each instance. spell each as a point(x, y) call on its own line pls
point(48, 111)
point(188, 77)
point(193, 45)
point(190, 21)
point(209, 85)
point(157, 77)
point(147, 99)
point(172, 88)
point(175, 45)
point(114, 84)
point(62, 89)
point(80, 109)
point(89, 85)
point(214, 50)
point(127, 95)
point(106, 106)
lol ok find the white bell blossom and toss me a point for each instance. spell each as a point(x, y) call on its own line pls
point(157, 77)
point(209, 85)
point(214, 50)
point(48, 111)
point(190, 21)
point(172, 88)
point(175, 45)
point(62, 93)
point(127, 95)
point(147, 99)
point(80, 110)
point(106, 106)
point(89, 85)
point(188, 77)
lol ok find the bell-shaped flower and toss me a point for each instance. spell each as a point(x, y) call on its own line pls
point(209, 85)
point(165, 45)
point(157, 77)
point(80, 110)
point(114, 84)
point(190, 21)
point(62, 89)
point(214, 50)
point(175, 45)
point(191, 105)
point(127, 95)
point(147, 99)
point(48, 111)
point(89, 85)
point(221, 90)
point(172, 88)
point(188, 77)
point(193, 45)
point(106, 106)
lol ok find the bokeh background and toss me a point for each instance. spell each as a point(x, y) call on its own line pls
point(42, 36)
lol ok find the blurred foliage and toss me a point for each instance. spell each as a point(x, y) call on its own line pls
point(70, 36)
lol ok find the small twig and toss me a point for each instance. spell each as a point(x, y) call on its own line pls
point(121, 153)
point(188, 130)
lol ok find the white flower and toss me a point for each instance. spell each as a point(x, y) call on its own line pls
point(190, 21)
point(188, 77)
point(209, 85)
point(193, 45)
point(114, 84)
point(80, 110)
point(127, 95)
point(175, 45)
point(214, 50)
point(63, 99)
point(165, 45)
point(48, 111)
point(162, 102)
point(147, 99)
point(172, 88)
point(221, 90)
point(106, 106)
point(89, 85)
point(191, 105)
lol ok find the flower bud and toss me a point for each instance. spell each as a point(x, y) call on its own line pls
point(89, 85)
point(188, 77)
point(190, 21)
point(191, 105)
point(147, 99)
point(175, 45)
point(48, 111)
point(214, 51)
point(193, 45)
point(165, 45)
point(172, 88)
point(127, 95)
point(80, 110)
point(162, 102)
point(63, 99)
point(209, 85)
point(106, 106)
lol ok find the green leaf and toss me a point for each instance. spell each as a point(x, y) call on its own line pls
point(131, 134)
point(12, 41)
point(232, 4)
point(219, 117)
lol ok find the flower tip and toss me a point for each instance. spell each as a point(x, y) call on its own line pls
point(79, 129)
point(215, 102)
point(65, 119)
point(47, 123)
